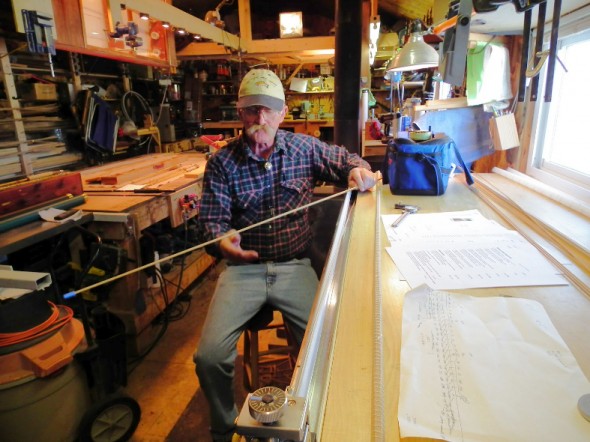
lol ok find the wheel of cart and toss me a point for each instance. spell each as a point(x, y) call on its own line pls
point(114, 416)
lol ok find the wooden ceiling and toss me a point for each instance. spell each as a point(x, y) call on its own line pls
point(261, 10)
point(259, 33)
point(406, 8)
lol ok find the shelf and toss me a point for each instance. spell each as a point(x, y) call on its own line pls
point(447, 103)
point(308, 93)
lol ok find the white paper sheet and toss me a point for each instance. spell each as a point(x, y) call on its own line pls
point(459, 250)
point(131, 187)
point(437, 225)
point(51, 213)
point(486, 369)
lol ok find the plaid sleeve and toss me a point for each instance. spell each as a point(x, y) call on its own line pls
point(215, 209)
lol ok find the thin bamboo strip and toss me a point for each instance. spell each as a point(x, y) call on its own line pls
point(565, 222)
point(549, 192)
point(566, 256)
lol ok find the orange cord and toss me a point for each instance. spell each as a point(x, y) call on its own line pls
point(54, 322)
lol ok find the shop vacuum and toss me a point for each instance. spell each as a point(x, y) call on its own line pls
point(60, 376)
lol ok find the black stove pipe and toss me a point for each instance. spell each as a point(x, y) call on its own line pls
point(347, 75)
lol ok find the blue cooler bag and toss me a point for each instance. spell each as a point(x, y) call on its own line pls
point(422, 168)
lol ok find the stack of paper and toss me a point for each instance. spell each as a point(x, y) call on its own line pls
point(458, 250)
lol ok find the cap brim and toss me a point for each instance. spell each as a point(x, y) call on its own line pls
point(261, 100)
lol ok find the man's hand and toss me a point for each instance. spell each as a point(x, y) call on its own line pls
point(363, 178)
point(231, 249)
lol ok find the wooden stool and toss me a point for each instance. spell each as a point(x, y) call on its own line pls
point(264, 320)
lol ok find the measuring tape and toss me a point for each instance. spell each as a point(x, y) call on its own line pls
point(378, 427)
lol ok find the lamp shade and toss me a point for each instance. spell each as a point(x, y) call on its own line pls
point(416, 54)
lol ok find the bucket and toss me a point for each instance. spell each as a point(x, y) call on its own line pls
point(44, 392)
point(45, 409)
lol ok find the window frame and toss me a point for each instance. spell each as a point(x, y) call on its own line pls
point(572, 27)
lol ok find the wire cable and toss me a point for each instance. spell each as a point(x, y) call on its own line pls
point(59, 317)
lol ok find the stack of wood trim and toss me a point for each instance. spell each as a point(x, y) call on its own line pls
point(43, 153)
point(560, 232)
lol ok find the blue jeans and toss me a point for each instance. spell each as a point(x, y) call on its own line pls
point(241, 291)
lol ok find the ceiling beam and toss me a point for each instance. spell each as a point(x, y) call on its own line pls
point(275, 51)
point(160, 10)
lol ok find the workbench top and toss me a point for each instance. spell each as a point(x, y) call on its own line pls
point(348, 407)
point(152, 173)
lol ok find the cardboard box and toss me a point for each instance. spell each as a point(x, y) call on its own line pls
point(40, 92)
point(504, 132)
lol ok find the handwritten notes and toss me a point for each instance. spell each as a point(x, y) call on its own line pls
point(486, 369)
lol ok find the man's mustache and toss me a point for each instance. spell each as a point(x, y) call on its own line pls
point(258, 127)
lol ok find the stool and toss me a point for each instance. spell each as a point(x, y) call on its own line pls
point(253, 356)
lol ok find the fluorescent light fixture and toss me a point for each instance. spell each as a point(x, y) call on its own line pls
point(374, 28)
point(291, 24)
point(416, 54)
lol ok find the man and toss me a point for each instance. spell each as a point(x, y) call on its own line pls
point(261, 174)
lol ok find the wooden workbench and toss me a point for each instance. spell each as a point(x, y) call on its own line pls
point(348, 405)
point(154, 184)
point(126, 198)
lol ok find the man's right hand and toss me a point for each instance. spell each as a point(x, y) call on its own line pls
point(231, 249)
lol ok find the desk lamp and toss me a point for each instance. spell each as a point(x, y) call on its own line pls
point(416, 54)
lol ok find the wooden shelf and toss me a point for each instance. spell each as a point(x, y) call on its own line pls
point(308, 93)
point(449, 103)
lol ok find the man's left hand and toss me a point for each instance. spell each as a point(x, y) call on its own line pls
point(362, 178)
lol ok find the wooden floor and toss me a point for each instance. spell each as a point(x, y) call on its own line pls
point(164, 382)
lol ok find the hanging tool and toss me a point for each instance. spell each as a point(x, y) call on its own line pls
point(538, 48)
point(407, 209)
point(552, 50)
point(39, 35)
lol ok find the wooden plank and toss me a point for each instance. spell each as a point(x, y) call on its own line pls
point(115, 202)
point(165, 171)
point(57, 160)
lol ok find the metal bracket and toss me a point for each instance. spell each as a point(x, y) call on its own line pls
point(292, 426)
point(452, 65)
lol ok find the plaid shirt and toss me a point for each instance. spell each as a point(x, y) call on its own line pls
point(241, 189)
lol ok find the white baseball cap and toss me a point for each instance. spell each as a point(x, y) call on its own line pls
point(261, 87)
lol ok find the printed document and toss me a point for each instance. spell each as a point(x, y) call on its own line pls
point(486, 369)
point(459, 250)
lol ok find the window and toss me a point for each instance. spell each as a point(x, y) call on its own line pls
point(561, 144)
